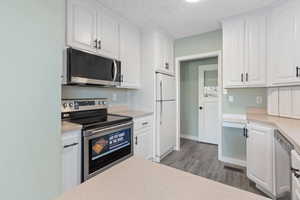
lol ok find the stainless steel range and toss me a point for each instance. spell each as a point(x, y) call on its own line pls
point(106, 139)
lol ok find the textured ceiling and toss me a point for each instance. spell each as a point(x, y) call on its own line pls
point(179, 18)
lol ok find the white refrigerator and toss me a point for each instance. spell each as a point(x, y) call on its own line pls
point(165, 115)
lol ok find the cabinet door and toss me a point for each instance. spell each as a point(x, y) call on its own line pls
point(233, 46)
point(160, 51)
point(81, 25)
point(260, 156)
point(256, 50)
point(295, 92)
point(296, 188)
point(130, 55)
point(170, 55)
point(143, 144)
point(285, 99)
point(273, 101)
point(282, 45)
point(71, 167)
point(108, 34)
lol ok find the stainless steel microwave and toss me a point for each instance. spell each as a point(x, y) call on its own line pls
point(88, 69)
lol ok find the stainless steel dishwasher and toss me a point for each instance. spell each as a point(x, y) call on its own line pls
point(283, 175)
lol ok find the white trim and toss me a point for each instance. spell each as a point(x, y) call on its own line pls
point(190, 137)
point(220, 81)
point(234, 161)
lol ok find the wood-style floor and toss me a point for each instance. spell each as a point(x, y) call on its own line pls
point(202, 159)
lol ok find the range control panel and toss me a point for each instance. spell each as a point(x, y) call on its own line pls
point(75, 105)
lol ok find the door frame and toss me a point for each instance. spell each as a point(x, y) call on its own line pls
point(178, 61)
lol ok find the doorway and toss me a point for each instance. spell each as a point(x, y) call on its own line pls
point(207, 101)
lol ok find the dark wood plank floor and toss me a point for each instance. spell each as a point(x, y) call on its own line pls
point(202, 160)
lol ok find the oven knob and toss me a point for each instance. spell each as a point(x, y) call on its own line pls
point(65, 105)
point(71, 105)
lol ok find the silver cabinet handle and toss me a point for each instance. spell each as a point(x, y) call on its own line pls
point(136, 140)
point(70, 145)
point(297, 71)
point(242, 77)
point(247, 77)
point(145, 123)
point(96, 43)
point(167, 65)
point(99, 44)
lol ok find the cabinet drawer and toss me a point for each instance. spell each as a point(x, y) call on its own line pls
point(142, 123)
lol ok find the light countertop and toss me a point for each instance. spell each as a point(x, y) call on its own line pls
point(68, 126)
point(290, 128)
point(139, 179)
point(125, 111)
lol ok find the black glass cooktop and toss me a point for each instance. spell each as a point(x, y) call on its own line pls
point(95, 118)
point(100, 121)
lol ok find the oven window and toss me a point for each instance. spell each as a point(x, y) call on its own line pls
point(109, 148)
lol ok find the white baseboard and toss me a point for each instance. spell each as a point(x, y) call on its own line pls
point(233, 161)
point(189, 137)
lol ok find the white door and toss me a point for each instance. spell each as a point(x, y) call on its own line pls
point(130, 55)
point(256, 50)
point(260, 156)
point(166, 127)
point(108, 34)
point(233, 54)
point(208, 104)
point(282, 45)
point(81, 25)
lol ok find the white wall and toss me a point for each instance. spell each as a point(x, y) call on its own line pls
point(31, 41)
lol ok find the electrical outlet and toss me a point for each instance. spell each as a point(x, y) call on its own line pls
point(259, 100)
point(231, 99)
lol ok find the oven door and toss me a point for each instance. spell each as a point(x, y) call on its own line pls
point(105, 147)
point(86, 68)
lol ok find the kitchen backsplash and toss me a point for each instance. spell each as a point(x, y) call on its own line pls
point(115, 96)
point(237, 101)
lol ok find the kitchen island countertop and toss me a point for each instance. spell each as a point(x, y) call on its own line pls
point(139, 179)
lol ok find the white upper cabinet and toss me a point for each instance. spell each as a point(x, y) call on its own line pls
point(107, 34)
point(92, 28)
point(81, 29)
point(233, 46)
point(130, 55)
point(164, 53)
point(244, 45)
point(284, 44)
point(256, 50)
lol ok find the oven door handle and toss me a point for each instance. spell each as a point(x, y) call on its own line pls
point(95, 131)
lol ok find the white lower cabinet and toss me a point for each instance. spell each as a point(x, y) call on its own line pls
point(295, 178)
point(260, 156)
point(143, 134)
point(71, 160)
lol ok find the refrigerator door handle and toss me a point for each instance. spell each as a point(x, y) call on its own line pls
point(161, 102)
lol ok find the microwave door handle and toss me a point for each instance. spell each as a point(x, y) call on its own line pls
point(115, 71)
